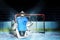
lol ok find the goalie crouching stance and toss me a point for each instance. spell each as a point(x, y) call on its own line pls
point(20, 24)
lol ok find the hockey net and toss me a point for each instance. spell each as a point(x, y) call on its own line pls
point(38, 21)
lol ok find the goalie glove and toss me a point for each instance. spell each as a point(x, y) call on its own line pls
point(14, 26)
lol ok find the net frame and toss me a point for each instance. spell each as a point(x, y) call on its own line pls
point(43, 16)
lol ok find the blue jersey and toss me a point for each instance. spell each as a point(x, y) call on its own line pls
point(22, 21)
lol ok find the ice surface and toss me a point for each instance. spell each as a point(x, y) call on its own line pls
point(33, 36)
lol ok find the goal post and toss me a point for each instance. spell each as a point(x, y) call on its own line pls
point(38, 21)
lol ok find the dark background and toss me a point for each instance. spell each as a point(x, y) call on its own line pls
point(50, 8)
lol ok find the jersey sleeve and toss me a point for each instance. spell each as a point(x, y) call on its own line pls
point(26, 19)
